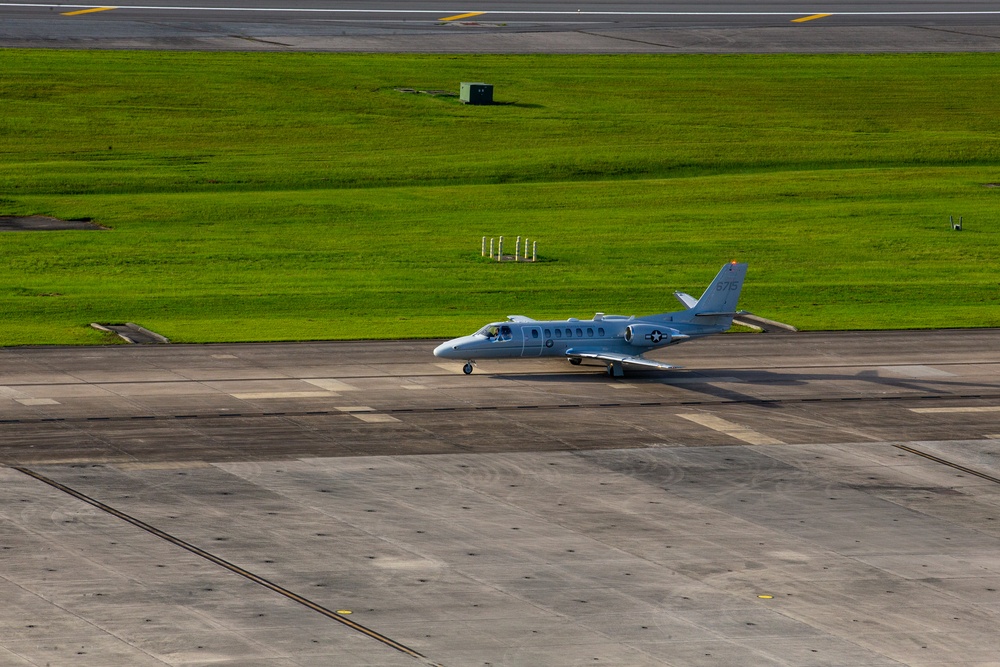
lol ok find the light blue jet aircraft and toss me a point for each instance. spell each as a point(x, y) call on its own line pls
point(616, 340)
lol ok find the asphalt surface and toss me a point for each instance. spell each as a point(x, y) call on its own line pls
point(508, 27)
point(793, 499)
point(786, 499)
point(275, 401)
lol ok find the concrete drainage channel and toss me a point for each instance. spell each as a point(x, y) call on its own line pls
point(131, 332)
point(43, 223)
point(761, 324)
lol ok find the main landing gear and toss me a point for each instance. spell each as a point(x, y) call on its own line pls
point(467, 368)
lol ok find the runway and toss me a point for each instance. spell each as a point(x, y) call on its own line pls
point(785, 499)
point(125, 404)
point(732, 26)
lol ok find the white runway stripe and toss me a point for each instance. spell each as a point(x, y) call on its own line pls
point(970, 408)
point(283, 394)
point(729, 428)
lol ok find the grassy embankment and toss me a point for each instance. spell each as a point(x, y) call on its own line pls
point(281, 196)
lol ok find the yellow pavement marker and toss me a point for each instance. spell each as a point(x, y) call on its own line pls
point(812, 17)
point(462, 16)
point(88, 11)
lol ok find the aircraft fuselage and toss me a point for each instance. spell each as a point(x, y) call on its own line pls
point(613, 340)
point(558, 338)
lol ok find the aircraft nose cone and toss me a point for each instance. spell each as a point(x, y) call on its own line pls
point(444, 349)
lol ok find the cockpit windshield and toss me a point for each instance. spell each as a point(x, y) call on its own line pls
point(496, 332)
point(490, 330)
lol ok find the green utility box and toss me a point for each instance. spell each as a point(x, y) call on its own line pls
point(476, 93)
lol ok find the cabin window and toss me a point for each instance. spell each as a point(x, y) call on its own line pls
point(600, 331)
point(548, 333)
point(579, 333)
point(590, 332)
point(558, 333)
point(505, 333)
point(534, 333)
point(569, 333)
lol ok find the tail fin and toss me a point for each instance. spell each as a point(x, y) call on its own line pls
point(717, 305)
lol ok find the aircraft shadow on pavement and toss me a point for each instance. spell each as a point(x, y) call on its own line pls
point(701, 382)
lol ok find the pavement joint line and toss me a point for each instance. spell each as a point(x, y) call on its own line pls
point(558, 406)
point(515, 12)
point(707, 380)
point(948, 463)
point(236, 569)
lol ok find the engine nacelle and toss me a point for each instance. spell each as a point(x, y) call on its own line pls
point(646, 335)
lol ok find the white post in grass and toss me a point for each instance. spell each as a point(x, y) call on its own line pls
point(483, 253)
point(517, 249)
point(491, 248)
point(534, 251)
point(526, 249)
point(500, 250)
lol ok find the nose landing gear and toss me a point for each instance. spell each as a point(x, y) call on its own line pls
point(467, 368)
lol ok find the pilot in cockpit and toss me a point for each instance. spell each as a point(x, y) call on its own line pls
point(496, 334)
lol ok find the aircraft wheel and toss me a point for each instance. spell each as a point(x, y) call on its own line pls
point(575, 361)
point(467, 368)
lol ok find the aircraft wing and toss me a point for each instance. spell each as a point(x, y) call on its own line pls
point(519, 318)
point(628, 360)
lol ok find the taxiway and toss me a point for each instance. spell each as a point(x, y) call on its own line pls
point(512, 26)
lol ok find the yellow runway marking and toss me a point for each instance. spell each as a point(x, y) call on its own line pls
point(462, 16)
point(811, 18)
point(88, 11)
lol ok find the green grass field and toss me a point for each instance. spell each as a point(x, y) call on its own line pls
point(300, 196)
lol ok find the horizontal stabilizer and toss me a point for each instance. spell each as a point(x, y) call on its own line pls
point(688, 300)
point(732, 314)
